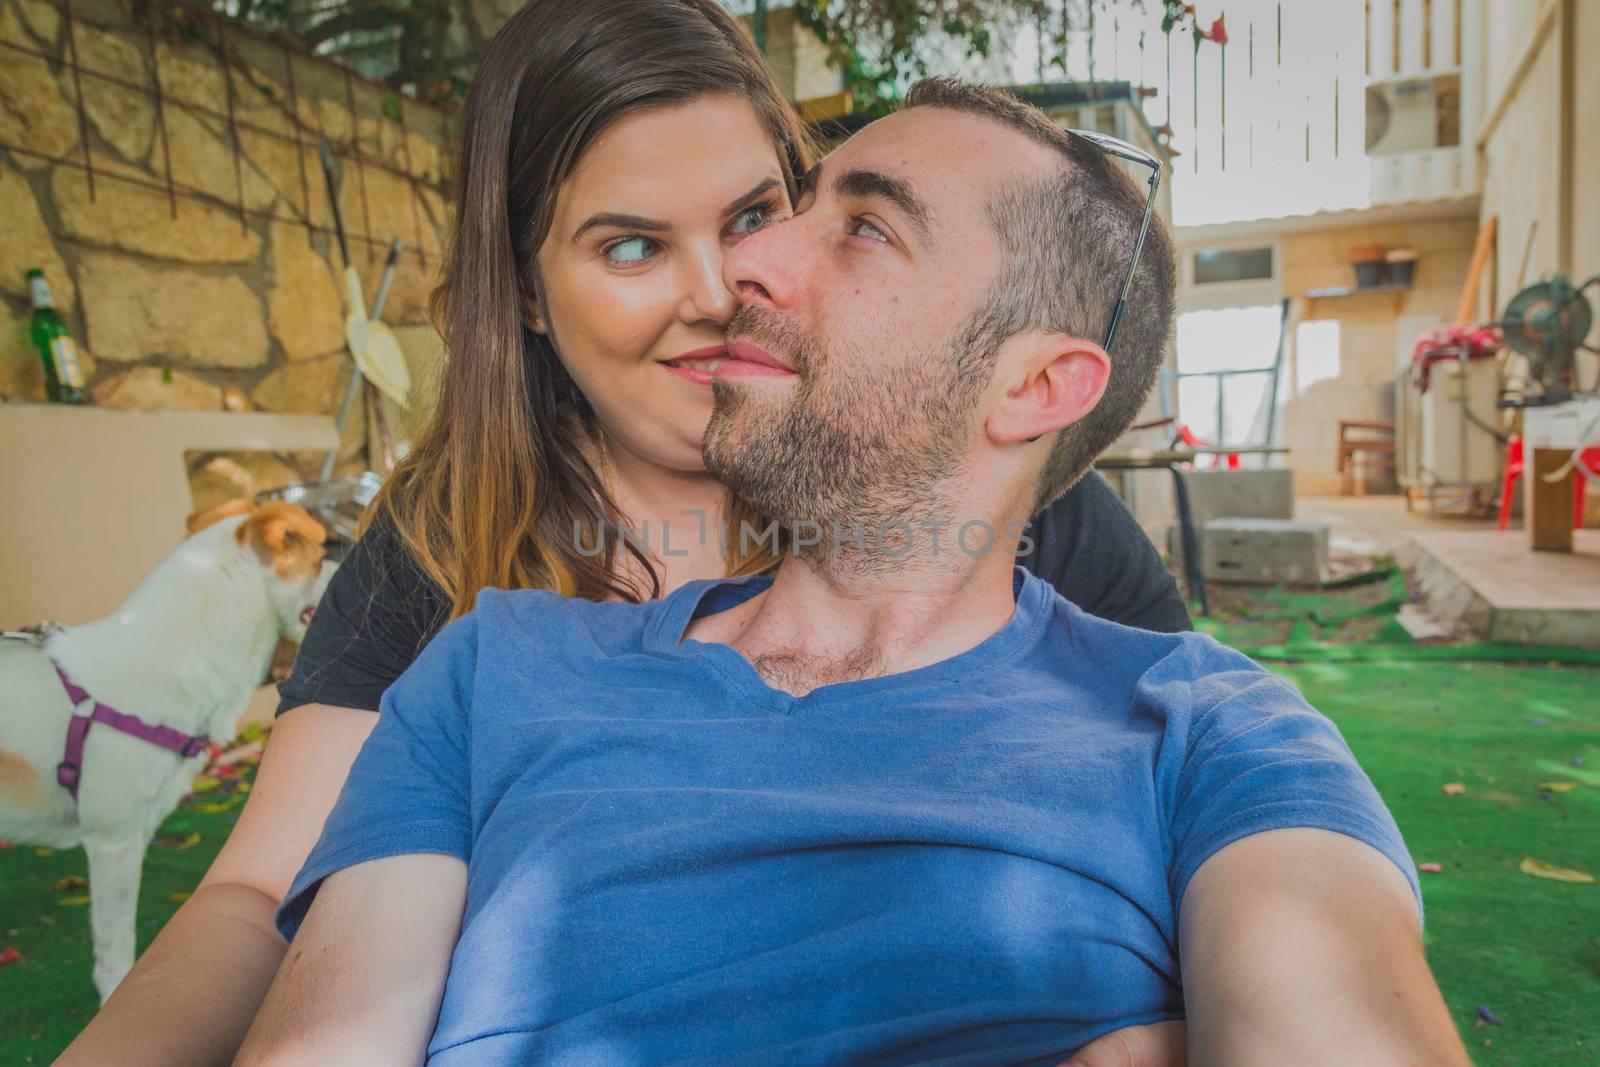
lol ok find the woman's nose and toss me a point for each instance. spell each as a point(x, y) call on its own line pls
point(705, 296)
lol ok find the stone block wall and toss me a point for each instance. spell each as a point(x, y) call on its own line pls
point(192, 256)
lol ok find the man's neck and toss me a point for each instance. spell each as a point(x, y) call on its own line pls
point(818, 626)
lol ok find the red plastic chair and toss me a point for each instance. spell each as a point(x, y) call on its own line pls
point(1187, 436)
point(1514, 469)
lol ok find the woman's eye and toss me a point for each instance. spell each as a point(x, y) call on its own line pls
point(751, 219)
point(860, 227)
point(630, 250)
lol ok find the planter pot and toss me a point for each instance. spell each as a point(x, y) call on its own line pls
point(1369, 273)
point(1368, 264)
point(1399, 266)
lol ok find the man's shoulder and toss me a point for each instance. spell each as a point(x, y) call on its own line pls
point(1140, 657)
point(1083, 627)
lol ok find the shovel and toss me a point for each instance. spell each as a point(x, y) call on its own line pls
point(372, 344)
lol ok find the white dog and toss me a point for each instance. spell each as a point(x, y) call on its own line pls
point(133, 699)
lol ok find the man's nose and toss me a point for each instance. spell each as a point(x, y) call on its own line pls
point(770, 266)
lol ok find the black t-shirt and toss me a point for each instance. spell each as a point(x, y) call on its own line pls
point(380, 610)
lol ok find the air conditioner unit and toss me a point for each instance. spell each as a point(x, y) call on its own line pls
point(1413, 114)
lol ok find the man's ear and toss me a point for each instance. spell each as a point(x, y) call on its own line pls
point(1050, 380)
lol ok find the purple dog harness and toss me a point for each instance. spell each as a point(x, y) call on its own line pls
point(70, 769)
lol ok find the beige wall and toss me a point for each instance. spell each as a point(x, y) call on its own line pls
point(1546, 199)
point(1586, 145)
point(1374, 328)
point(799, 61)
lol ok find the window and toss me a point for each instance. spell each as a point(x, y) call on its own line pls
point(1213, 266)
point(1225, 361)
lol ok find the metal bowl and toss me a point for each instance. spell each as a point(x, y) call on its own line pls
point(337, 504)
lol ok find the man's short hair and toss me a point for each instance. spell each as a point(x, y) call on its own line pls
point(1067, 238)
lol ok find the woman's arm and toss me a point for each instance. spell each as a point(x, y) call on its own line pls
point(191, 996)
point(363, 981)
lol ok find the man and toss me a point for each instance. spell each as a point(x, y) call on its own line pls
point(901, 803)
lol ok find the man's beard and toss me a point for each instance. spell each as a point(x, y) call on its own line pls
point(855, 444)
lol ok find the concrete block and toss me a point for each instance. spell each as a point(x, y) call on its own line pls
point(1265, 550)
point(1240, 494)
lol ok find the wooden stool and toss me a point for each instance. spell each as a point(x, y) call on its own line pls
point(1364, 438)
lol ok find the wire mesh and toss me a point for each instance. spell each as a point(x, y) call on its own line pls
point(184, 30)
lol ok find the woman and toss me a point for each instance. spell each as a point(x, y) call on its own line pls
point(611, 153)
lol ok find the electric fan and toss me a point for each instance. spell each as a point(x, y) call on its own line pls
point(1547, 322)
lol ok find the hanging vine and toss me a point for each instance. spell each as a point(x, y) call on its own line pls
point(880, 45)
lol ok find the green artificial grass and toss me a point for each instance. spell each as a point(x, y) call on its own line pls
point(1526, 948)
point(1417, 716)
point(1501, 720)
point(48, 996)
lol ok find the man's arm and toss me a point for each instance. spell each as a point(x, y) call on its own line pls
point(1303, 946)
point(363, 979)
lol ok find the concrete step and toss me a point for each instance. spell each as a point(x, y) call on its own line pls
point(1492, 583)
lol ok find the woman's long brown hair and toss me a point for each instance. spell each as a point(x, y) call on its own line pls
point(498, 491)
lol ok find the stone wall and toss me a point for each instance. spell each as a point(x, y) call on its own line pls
point(223, 292)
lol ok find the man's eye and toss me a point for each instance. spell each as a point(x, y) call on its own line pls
point(630, 250)
point(751, 219)
point(860, 227)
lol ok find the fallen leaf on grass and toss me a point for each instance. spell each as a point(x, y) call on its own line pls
point(179, 897)
point(1557, 787)
point(179, 843)
point(1541, 869)
point(1430, 868)
point(72, 902)
point(214, 807)
point(1454, 789)
point(10, 955)
point(45, 852)
point(72, 883)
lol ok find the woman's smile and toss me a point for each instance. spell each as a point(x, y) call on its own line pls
point(697, 365)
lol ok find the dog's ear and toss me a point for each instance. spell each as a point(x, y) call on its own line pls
point(284, 537)
point(199, 520)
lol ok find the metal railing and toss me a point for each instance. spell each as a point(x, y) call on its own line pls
point(1171, 380)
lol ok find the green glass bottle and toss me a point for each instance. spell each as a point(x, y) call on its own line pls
point(63, 376)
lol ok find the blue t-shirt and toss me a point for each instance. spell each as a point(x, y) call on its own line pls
point(978, 862)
